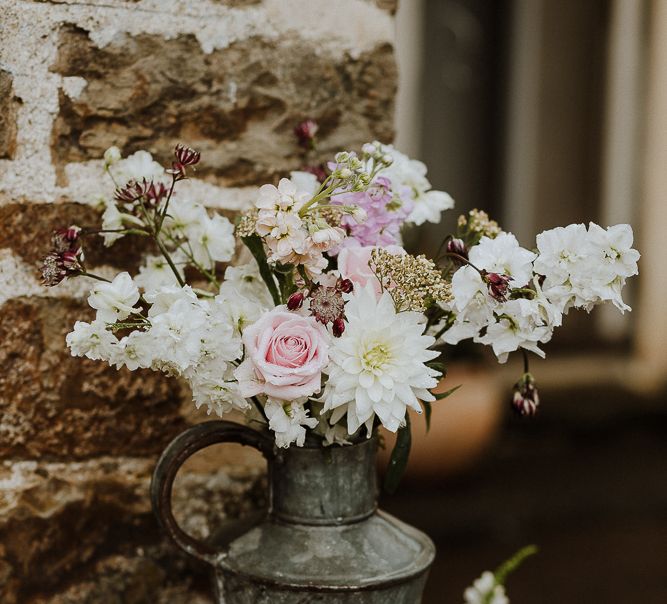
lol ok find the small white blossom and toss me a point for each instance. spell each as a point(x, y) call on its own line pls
point(485, 590)
point(504, 256)
point(114, 301)
point(91, 340)
point(287, 420)
point(408, 178)
point(156, 273)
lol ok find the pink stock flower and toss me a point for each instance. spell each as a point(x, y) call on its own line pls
point(353, 264)
point(285, 355)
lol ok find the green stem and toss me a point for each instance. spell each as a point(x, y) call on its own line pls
point(170, 262)
point(93, 276)
point(504, 570)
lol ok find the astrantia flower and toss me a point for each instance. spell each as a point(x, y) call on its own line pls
point(287, 420)
point(114, 301)
point(378, 364)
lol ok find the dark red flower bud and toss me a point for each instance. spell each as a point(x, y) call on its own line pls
point(526, 398)
point(295, 301)
point(498, 285)
point(305, 133)
point(338, 327)
point(185, 156)
point(456, 246)
point(345, 285)
point(65, 239)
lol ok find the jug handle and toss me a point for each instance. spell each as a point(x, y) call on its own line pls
point(181, 448)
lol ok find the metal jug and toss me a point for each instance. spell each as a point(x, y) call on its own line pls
point(322, 541)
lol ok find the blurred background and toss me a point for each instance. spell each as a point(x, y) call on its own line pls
point(544, 113)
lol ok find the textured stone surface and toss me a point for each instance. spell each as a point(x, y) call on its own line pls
point(103, 504)
point(27, 229)
point(53, 404)
point(8, 106)
point(238, 105)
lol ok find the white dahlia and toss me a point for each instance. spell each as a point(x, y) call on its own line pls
point(378, 364)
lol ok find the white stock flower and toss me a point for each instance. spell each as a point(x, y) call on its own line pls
point(213, 386)
point(410, 175)
point(136, 167)
point(485, 590)
point(504, 255)
point(136, 350)
point(287, 420)
point(91, 340)
point(156, 273)
point(246, 280)
point(114, 301)
point(521, 324)
point(584, 268)
point(305, 182)
point(378, 364)
point(212, 241)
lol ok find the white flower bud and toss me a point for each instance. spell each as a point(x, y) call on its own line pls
point(345, 173)
point(111, 156)
point(387, 159)
point(359, 214)
point(369, 149)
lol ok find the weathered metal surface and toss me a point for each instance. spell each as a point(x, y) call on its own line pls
point(322, 540)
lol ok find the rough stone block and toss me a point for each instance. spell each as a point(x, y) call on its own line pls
point(55, 405)
point(237, 105)
point(103, 505)
point(8, 107)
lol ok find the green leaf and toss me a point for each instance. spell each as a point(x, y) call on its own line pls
point(399, 457)
point(440, 395)
point(427, 414)
point(256, 247)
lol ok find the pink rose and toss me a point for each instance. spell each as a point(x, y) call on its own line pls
point(285, 353)
point(353, 265)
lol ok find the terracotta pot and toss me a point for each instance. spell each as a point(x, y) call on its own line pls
point(462, 425)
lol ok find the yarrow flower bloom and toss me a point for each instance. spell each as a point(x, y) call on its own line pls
point(378, 365)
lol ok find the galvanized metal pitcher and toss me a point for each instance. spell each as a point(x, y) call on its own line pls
point(323, 540)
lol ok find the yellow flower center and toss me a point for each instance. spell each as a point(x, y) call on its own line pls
point(376, 357)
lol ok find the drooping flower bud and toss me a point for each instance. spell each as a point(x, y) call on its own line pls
point(338, 327)
point(185, 156)
point(305, 133)
point(65, 239)
point(345, 285)
point(456, 246)
point(498, 285)
point(295, 301)
point(526, 398)
point(111, 156)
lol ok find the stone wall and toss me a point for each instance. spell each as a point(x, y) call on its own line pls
point(78, 440)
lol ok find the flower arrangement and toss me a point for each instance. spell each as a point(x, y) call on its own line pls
point(327, 328)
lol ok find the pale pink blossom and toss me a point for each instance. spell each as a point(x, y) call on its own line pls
point(284, 356)
point(353, 264)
